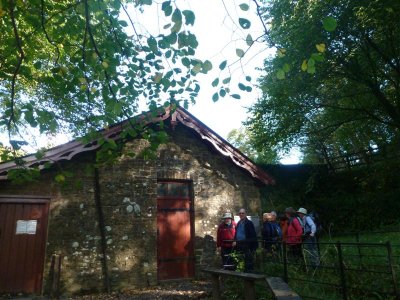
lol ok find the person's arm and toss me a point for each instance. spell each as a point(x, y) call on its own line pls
point(219, 239)
point(312, 225)
point(236, 226)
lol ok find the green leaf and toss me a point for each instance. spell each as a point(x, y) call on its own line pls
point(311, 62)
point(172, 38)
point(189, 17)
point(123, 23)
point(286, 68)
point(244, 23)
point(197, 68)
point(329, 24)
point(186, 62)
point(249, 40)
point(37, 65)
point(189, 40)
point(248, 78)
point(239, 52)
point(310, 69)
point(222, 92)
point(151, 41)
point(222, 65)
point(146, 2)
point(244, 6)
point(249, 89)
point(317, 57)
point(177, 19)
point(215, 97)
point(207, 66)
point(226, 80)
point(215, 82)
point(167, 8)
point(280, 74)
point(242, 86)
point(235, 96)
point(157, 78)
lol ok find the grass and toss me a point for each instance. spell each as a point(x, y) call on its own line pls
point(367, 272)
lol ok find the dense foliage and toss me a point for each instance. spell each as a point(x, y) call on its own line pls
point(364, 198)
point(243, 140)
point(333, 89)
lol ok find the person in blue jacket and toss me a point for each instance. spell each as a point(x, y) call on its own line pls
point(246, 240)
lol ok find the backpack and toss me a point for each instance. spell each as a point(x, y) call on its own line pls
point(276, 231)
point(301, 224)
point(315, 217)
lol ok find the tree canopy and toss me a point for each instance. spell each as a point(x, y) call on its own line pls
point(79, 66)
point(334, 86)
point(243, 140)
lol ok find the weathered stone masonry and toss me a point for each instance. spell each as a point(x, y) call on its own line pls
point(128, 192)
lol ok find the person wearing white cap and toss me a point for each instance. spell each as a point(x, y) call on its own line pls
point(225, 235)
point(310, 240)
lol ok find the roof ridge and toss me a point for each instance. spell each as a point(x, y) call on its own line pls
point(178, 114)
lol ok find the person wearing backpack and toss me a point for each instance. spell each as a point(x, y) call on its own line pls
point(271, 234)
point(294, 233)
point(266, 233)
point(309, 238)
point(277, 235)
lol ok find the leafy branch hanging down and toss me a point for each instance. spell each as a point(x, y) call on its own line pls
point(79, 66)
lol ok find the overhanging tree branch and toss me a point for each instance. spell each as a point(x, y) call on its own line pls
point(43, 22)
point(17, 67)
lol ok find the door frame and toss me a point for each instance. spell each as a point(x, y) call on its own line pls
point(192, 219)
point(33, 199)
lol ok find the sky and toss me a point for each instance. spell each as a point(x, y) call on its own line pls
point(219, 35)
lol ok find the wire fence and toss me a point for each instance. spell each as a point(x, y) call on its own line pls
point(334, 270)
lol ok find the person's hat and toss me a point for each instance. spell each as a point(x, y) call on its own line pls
point(227, 216)
point(302, 211)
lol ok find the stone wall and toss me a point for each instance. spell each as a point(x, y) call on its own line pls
point(128, 193)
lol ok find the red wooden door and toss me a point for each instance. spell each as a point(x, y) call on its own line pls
point(175, 251)
point(23, 231)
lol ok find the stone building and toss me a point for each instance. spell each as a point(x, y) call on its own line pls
point(131, 223)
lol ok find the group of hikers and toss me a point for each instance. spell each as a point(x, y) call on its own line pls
point(297, 229)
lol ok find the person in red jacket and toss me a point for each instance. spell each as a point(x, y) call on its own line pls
point(294, 233)
point(226, 231)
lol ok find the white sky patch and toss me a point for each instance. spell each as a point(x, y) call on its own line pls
point(219, 35)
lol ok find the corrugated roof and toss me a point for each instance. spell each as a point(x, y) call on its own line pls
point(69, 150)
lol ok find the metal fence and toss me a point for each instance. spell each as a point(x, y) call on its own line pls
point(344, 270)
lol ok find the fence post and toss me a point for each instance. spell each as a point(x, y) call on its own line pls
point(342, 270)
point(392, 271)
point(285, 262)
